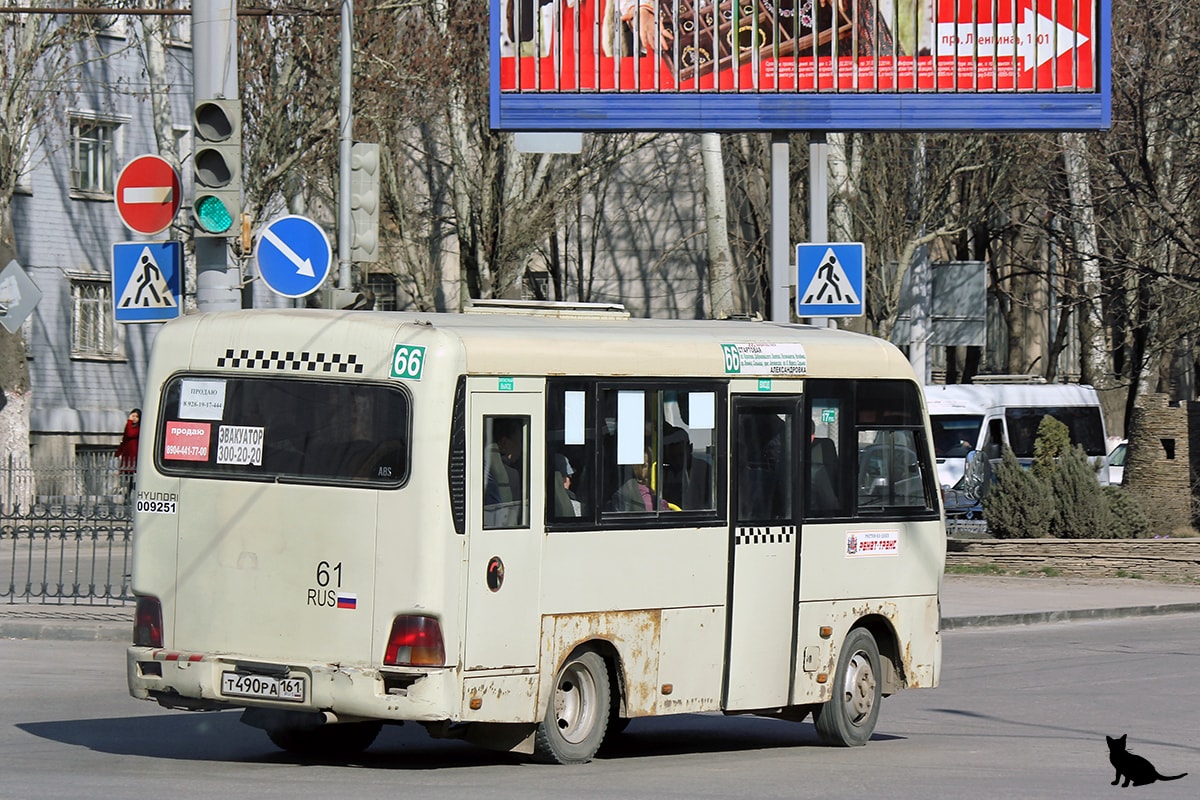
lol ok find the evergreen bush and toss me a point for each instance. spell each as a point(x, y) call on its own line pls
point(1019, 505)
point(1082, 510)
point(1129, 520)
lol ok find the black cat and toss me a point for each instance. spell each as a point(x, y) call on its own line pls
point(1136, 769)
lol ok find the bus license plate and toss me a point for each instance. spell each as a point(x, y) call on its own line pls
point(262, 687)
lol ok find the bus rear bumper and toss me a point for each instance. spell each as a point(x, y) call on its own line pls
point(202, 682)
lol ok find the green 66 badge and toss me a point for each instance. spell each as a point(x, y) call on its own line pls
point(407, 361)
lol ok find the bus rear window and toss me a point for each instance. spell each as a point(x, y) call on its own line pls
point(289, 430)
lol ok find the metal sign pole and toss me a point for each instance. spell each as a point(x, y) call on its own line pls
point(214, 74)
point(345, 145)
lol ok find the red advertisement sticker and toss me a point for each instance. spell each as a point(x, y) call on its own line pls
point(186, 441)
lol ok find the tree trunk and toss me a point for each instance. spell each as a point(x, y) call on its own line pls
point(14, 369)
point(1094, 366)
point(716, 213)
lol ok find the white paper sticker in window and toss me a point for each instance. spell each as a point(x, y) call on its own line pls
point(573, 417)
point(240, 444)
point(702, 410)
point(201, 399)
point(631, 427)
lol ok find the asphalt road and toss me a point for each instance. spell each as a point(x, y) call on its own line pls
point(1021, 712)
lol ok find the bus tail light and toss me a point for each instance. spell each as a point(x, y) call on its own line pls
point(415, 642)
point(147, 623)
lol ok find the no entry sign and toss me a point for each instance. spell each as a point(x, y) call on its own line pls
point(148, 194)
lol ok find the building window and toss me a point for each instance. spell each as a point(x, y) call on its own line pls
point(383, 286)
point(178, 26)
point(93, 329)
point(92, 156)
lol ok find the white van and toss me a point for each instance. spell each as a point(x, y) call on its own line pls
point(984, 416)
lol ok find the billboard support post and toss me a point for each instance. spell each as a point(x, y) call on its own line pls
point(780, 238)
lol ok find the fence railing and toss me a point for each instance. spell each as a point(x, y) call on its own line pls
point(65, 533)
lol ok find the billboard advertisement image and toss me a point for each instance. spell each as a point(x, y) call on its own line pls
point(799, 64)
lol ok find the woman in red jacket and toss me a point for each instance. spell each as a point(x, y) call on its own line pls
point(127, 451)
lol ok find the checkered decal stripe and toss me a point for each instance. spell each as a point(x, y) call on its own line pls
point(764, 536)
point(291, 361)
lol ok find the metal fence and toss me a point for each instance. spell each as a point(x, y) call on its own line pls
point(65, 533)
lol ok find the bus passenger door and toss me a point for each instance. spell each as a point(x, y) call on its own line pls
point(505, 502)
point(764, 551)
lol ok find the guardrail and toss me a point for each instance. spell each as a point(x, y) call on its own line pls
point(65, 534)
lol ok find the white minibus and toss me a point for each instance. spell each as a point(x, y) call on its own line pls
point(987, 416)
point(526, 526)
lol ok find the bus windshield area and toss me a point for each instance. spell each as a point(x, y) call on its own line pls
point(284, 429)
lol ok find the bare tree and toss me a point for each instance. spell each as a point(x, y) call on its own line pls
point(39, 53)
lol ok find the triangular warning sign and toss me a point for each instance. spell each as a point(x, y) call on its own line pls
point(146, 287)
point(830, 285)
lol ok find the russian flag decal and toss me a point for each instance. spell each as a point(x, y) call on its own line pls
point(347, 601)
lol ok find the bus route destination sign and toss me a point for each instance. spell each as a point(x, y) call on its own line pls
point(765, 359)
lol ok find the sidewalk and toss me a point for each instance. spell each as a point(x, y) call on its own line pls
point(983, 600)
point(967, 601)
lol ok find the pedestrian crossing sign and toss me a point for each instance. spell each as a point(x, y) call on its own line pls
point(147, 280)
point(829, 279)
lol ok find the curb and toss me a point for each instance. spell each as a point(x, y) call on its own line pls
point(70, 632)
point(1041, 617)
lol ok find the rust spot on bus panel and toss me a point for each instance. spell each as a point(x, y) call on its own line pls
point(632, 637)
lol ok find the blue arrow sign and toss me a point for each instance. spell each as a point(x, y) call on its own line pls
point(294, 256)
point(829, 279)
point(147, 281)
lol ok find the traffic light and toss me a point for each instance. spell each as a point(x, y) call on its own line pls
point(217, 167)
point(364, 202)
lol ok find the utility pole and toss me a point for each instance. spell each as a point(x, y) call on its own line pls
point(215, 77)
point(345, 145)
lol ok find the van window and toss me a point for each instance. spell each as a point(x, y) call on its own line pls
point(954, 435)
point(1083, 422)
point(284, 429)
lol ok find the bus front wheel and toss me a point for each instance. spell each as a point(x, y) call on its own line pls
point(848, 719)
point(577, 718)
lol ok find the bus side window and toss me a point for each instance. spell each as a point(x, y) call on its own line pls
point(893, 472)
point(827, 493)
point(570, 451)
point(505, 472)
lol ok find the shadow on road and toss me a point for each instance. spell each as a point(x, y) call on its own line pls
point(220, 736)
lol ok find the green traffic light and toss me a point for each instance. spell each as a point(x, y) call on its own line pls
point(212, 214)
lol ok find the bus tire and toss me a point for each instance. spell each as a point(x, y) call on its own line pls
point(328, 741)
point(577, 717)
point(848, 719)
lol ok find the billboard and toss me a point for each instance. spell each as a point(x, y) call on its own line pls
point(800, 65)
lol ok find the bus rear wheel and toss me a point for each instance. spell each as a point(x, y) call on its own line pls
point(577, 718)
point(848, 719)
point(328, 741)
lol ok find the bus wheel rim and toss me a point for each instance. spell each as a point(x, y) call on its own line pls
point(575, 703)
point(859, 688)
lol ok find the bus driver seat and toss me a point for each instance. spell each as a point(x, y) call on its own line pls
point(822, 473)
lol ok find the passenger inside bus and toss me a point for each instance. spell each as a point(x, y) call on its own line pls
point(636, 494)
point(504, 484)
point(566, 504)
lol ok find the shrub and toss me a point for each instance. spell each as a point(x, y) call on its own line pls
point(1129, 521)
point(1052, 442)
point(1019, 505)
point(1082, 510)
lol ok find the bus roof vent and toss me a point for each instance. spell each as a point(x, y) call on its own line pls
point(547, 308)
point(1008, 379)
